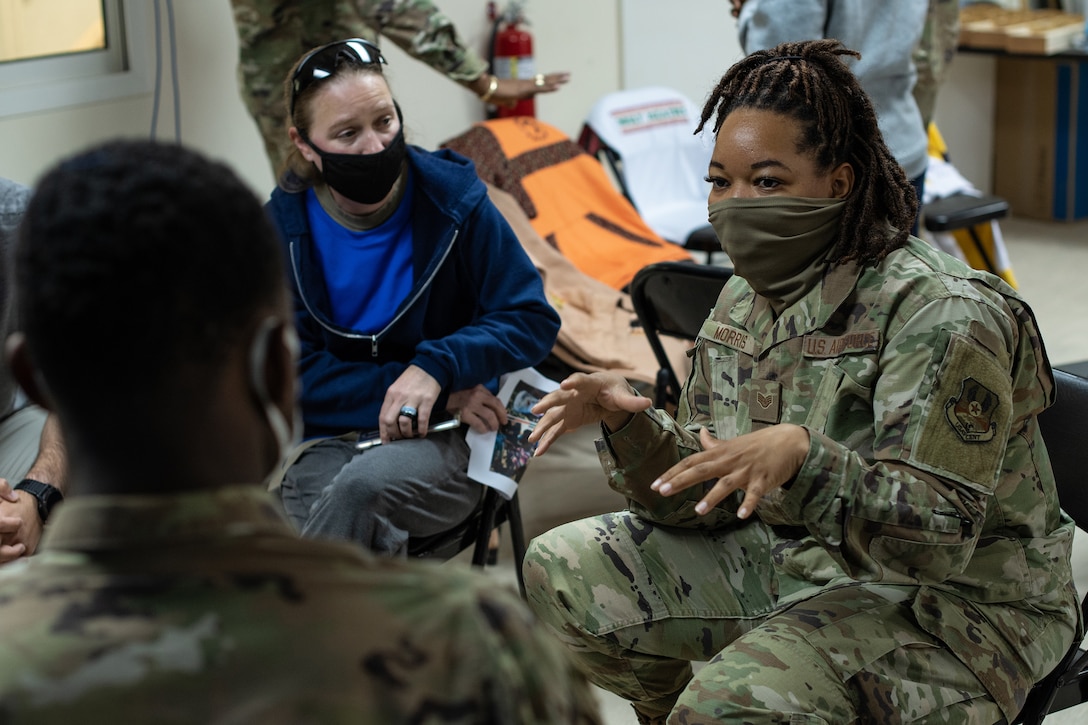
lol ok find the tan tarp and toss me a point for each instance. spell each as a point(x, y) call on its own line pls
point(599, 329)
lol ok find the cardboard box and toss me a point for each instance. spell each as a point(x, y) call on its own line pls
point(1041, 136)
point(990, 30)
point(1050, 35)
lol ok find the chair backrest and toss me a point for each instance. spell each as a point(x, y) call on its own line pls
point(1064, 426)
point(674, 298)
point(475, 531)
point(648, 135)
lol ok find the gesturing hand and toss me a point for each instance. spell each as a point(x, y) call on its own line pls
point(582, 399)
point(757, 462)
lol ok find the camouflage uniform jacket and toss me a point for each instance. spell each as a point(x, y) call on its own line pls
point(416, 26)
point(207, 608)
point(919, 381)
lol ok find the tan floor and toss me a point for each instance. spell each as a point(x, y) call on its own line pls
point(1050, 262)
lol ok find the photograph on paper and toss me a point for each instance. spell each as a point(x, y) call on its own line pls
point(499, 458)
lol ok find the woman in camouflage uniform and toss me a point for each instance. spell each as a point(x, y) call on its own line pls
point(852, 515)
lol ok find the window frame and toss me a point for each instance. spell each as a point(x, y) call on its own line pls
point(34, 85)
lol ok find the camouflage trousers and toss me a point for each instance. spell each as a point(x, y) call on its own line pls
point(637, 604)
point(272, 35)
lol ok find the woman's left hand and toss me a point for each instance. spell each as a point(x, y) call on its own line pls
point(478, 408)
point(757, 462)
point(416, 389)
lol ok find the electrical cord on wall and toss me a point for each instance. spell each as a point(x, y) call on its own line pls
point(173, 70)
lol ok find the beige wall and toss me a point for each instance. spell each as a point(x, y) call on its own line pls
point(214, 119)
point(965, 113)
point(606, 44)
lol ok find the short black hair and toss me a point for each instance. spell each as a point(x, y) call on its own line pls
point(809, 82)
point(135, 258)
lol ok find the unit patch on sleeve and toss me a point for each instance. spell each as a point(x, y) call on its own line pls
point(961, 428)
point(971, 413)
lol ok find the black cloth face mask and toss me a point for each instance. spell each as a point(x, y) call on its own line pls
point(364, 178)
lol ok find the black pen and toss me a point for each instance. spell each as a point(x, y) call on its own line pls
point(374, 439)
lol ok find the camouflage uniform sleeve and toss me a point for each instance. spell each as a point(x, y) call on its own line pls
point(912, 510)
point(934, 53)
point(422, 31)
point(534, 679)
point(634, 456)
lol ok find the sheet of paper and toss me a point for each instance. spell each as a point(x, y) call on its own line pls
point(498, 459)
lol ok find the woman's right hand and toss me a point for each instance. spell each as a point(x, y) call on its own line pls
point(582, 399)
point(415, 388)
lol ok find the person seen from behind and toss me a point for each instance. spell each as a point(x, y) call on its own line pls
point(156, 326)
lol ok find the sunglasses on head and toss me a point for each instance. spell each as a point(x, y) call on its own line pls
point(320, 63)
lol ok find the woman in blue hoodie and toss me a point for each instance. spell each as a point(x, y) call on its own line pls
point(412, 296)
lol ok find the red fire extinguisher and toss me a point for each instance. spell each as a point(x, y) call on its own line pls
point(511, 54)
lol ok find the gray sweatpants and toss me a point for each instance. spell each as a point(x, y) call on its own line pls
point(20, 436)
point(382, 497)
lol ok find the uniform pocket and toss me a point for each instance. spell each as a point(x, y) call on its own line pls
point(723, 372)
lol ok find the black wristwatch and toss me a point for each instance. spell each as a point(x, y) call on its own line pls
point(47, 496)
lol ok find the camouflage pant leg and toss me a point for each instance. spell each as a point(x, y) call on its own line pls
point(853, 654)
point(636, 603)
point(272, 35)
point(934, 53)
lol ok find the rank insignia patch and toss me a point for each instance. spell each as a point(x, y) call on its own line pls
point(765, 403)
point(972, 413)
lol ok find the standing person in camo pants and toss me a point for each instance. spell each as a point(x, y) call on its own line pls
point(934, 54)
point(272, 34)
point(169, 588)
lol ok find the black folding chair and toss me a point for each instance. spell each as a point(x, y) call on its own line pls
point(1065, 430)
point(475, 531)
point(674, 298)
point(964, 211)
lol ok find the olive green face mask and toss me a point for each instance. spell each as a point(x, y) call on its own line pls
point(778, 244)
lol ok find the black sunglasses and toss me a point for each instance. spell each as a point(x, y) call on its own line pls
point(320, 63)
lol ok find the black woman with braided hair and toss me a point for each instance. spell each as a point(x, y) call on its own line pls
point(851, 518)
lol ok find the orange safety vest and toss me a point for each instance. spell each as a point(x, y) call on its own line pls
point(568, 197)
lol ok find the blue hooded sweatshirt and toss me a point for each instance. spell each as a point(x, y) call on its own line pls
point(477, 307)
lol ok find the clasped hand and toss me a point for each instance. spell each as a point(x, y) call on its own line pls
point(757, 462)
point(20, 527)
